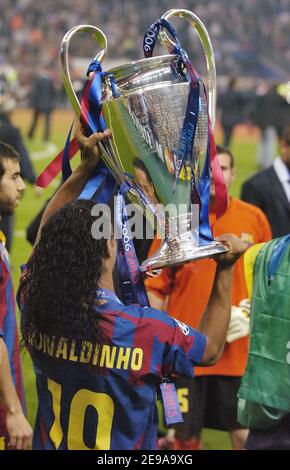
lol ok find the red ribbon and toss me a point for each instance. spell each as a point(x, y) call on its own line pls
point(54, 167)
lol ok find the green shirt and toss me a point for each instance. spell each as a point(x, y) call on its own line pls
point(264, 395)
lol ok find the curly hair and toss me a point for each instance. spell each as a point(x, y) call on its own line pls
point(63, 275)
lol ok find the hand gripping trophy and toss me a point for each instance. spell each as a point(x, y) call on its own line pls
point(161, 121)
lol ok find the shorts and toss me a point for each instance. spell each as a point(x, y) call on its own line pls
point(207, 402)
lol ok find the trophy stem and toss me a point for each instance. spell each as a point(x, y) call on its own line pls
point(178, 252)
point(181, 245)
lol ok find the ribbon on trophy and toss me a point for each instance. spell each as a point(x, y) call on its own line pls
point(128, 266)
point(91, 116)
point(130, 277)
point(101, 185)
point(56, 165)
point(92, 119)
point(200, 192)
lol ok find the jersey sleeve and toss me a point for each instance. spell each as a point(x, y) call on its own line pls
point(172, 347)
point(3, 306)
point(184, 351)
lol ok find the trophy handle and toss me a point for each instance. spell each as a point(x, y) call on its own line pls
point(99, 36)
point(203, 35)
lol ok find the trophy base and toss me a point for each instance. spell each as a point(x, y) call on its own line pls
point(179, 251)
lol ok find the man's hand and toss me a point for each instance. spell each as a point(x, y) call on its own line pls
point(88, 146)
point(152, 272)
point(236, 249)
point(19, 431)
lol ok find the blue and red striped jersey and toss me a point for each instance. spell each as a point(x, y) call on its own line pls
point(103, 396)
point(8, 328)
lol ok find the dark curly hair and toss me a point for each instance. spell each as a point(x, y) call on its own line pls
point(62, 277)
point(6, 151)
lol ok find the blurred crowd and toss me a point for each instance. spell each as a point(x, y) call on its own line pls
point(242, 32)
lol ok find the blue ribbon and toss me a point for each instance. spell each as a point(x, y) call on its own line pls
point(96, 122)
point(277, 256)
point(101, 186)
point(95, 119)
point(200, 193)
point(100, 177)
point(184, 151)
point(205, 234)
point(151, 35)
point(130, 276)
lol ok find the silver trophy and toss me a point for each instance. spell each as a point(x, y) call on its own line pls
point(146, 118)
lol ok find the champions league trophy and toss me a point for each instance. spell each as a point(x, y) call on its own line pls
point(145, 107)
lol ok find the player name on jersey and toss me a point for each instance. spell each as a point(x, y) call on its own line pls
point(86, 352)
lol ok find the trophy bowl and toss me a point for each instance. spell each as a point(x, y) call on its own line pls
point(145, 110)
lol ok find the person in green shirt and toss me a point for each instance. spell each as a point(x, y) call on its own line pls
point(264, 394)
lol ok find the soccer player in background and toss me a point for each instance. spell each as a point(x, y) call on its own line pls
point(15, 432)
